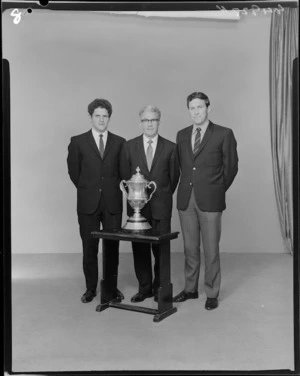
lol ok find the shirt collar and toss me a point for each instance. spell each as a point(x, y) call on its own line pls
point(146, 139)
point(202, 127)
point(97, 134)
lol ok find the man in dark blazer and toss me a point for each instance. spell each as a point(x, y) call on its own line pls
point(156, 158)
point(208, 160)
point(93, 166)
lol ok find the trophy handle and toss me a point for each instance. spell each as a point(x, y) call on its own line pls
point(123, 188)
point(148, 186)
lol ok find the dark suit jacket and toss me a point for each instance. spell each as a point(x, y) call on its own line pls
point(211, 171)
point(164, 172)
point(93, 176)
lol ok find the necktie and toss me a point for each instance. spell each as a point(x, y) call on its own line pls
point(101, 145)
point(197, 140)
point(149, 154)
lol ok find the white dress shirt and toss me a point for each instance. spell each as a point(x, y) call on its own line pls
point(96, 136)
point(154, 143)
point(203, 130)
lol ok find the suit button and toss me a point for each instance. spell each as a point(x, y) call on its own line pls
point(99, 190)
point(191, 183)
point(194, 168)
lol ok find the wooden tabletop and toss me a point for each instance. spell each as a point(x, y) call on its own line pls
point(136, 236)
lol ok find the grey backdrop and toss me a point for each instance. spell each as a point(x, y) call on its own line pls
point(61, 61)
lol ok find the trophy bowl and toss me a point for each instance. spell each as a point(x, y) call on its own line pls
point(137, 198)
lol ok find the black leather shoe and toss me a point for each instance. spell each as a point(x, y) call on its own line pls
point(88, 296)
point(211, 303)
point(120, 295)
point(139, 297)
point(183, 296)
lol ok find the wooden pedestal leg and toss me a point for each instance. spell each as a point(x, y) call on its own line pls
point(108, 285)
point(165, 291)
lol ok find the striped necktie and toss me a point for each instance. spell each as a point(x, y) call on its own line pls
point(101, 145)
point(149, 154)
point(197, 140)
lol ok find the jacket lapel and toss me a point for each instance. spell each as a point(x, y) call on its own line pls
point(141, 151)
point(109, 143)
point(158, 151)
point(92, 143)
point(188, 141)
point(207, 136)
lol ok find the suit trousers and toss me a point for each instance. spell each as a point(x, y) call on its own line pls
point(142, 258)
point(89, 223)
point(195, 224)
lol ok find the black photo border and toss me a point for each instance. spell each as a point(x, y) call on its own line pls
point(6, 324)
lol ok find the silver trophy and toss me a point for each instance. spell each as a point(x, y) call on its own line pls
point(137, 198)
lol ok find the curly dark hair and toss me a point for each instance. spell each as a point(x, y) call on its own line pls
point(103, 103)
point(199, 95)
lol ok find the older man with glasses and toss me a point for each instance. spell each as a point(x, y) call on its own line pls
point(157, 159)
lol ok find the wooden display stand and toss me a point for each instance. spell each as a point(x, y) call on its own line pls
point(165, 291)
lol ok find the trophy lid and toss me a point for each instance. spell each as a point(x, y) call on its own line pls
point(137, 178)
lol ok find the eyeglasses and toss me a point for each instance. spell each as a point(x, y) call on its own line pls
point(147, 121)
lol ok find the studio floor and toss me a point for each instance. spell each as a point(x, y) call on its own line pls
point(52, 330)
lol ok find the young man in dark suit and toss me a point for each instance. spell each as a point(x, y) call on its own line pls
point(208, 160)
point(156, 158)
point(93, 166)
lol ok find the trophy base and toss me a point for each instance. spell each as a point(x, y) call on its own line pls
point(137, 224)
